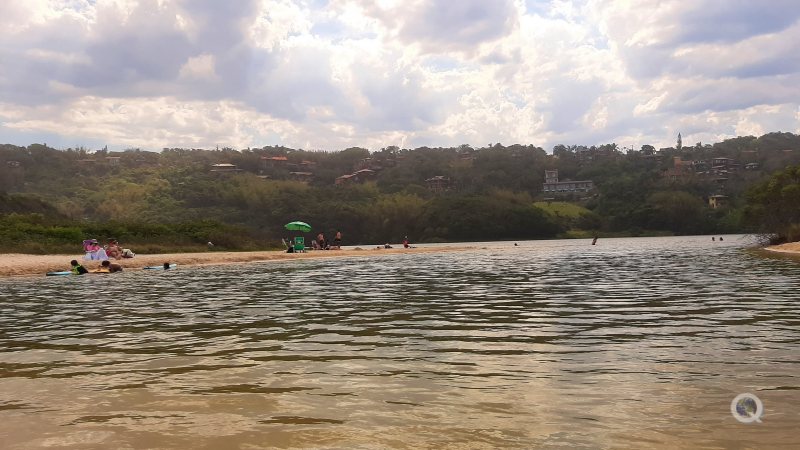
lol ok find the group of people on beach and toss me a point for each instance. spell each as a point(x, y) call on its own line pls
point(320, 243)
point(406, 244)
point(93, 251)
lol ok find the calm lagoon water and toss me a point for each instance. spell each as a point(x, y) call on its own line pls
point(632, 343)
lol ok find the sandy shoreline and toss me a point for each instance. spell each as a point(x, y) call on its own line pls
point(789, 247)
point(17, 264)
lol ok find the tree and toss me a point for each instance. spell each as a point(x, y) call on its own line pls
point(773, 206)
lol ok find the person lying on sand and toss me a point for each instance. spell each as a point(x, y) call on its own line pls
point(77, 269)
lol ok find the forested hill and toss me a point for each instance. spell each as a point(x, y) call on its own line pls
point(242, 198)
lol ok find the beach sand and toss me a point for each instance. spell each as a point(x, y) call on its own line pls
point(38, 265)
point(789, 247)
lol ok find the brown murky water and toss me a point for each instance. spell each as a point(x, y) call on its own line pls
point(632, 343)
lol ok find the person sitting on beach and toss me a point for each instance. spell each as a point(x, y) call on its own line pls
point(321, 241)
point(77, 269)
point(315, 244)
point(337, 241)
point(94, 252)
point(386, 245)
point(113, 249)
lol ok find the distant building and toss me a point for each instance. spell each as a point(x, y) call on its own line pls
point(344, 179)
point(439, 183)
point(359, 176)
point(113, 160)
point(225, 168)
point(752, 166)
point(723, 165)
point(273, 161)
point(717, 201)
point(301, 176)
point(13, 163)
point(552, 185)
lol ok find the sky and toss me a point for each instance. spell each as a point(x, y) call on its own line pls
point(333, 74)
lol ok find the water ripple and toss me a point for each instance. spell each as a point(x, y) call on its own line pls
point(544, 344)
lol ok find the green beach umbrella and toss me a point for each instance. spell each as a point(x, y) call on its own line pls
point(298, 226)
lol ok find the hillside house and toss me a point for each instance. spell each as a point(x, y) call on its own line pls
point(717, 201)
point(304, 177)
point(344, 179)
point(268, 162)
point(552, 185)
point(225, 168)
point(439, 183)
point(359, 176)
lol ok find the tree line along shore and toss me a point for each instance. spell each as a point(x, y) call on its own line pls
point(178, 200)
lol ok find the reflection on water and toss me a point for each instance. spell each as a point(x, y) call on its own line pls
point(631, 343)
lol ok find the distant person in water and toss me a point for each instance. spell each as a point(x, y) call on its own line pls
point(720, 239)
point(166, 266)
point(713, 238)
point(594, 240)
point(77, 269)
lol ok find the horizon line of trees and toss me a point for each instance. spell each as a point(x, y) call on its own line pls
point(494, 192)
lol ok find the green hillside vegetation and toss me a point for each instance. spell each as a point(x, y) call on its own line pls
point(773, 205)
point(563, 209)
point(180, 199)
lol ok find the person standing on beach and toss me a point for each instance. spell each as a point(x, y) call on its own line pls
point(406, 244)
point(337, 240)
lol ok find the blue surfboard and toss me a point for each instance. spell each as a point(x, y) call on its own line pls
point(171, 266)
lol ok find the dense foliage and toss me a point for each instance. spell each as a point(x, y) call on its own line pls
point(182, 198)
point(774, 205)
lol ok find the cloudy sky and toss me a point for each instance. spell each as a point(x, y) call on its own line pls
point(329, 74)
